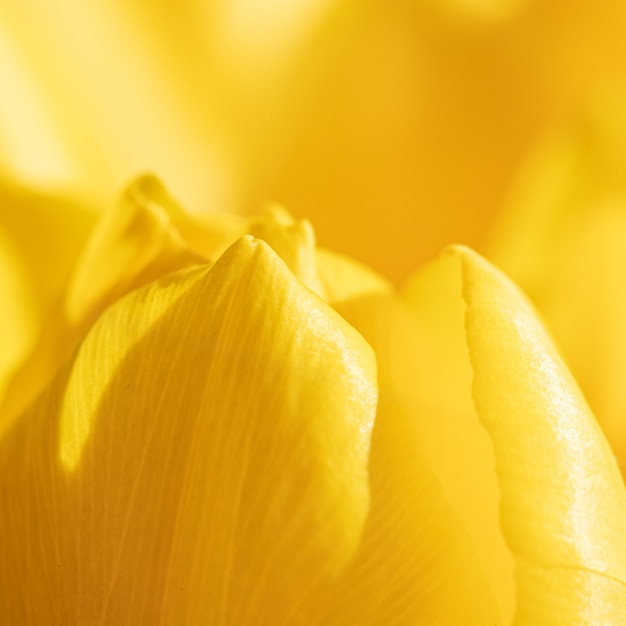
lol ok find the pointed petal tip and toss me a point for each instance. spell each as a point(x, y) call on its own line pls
point(563, 501)
point(216, 407)
point(464, 254)
point(246, 247)
point(461, 251)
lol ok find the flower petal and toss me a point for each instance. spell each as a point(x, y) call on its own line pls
point(416, 563)
point(345, 279)
point(202, 460)
point(454, 436)
point(420, 345)
point(332, 276)
point(562, 238)
point(18, 316)
point(563, 500)
point(208, 234)
point(585, 303)
point(136, 242)
point(33, 267)
point(293, 241)
point(36, 224)
point(132, 244)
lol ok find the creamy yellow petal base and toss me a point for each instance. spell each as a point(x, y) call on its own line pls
point(203, 459)
point(563, 500)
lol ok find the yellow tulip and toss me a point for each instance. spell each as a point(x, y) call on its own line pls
point(225, 424)
point(205, 418)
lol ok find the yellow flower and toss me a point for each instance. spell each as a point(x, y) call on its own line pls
point(205, 418)
point(225, 424)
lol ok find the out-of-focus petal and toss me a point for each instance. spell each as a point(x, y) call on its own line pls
point(416, 563)
point(203, 458)
point(561, 237)
point(207, 234)
point(563, 500)
point(138, 115)
point(585, 303)
point(571, 172)
point(33, 147)
point(134, 243)
point(40, 238)
point(47, 233)
point(344, 278)
point(18, 317)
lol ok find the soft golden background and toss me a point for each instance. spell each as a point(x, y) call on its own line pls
point(396, 127)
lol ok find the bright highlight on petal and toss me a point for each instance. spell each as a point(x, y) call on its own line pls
point(563, 500)
point(203, 458)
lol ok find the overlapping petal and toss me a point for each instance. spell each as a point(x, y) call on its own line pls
point(420, 346)
point(563, 500)
point(189, 464)
point(416, 563)
point(563, 503)
point(415, 550)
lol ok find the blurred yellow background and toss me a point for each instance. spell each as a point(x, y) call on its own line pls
point(396, 127)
